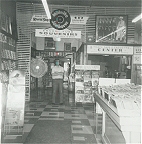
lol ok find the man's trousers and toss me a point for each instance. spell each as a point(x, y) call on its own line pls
point(57, 85)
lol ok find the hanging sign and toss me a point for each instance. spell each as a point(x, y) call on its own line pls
point(40, 19)
point(51, 32)
point(60, 19)
point(79, 19)
point(102, 49)
point(138, 50)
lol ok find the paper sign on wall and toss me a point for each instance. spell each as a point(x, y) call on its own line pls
point(137, 59)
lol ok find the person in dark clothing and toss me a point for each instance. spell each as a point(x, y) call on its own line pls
point(57, 81)
point(128, 73)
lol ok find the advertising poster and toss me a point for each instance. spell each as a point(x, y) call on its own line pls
point(79, 91)
point(15, 105)
point(111, 29)
point(15, 100)
point(95, 80)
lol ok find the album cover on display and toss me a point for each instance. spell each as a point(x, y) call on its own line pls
point(95, 74)
point(88, 92)
point(79, 79)
point(79, 97)
point(88, 83)
point(88, 98)
point(79, 72)
point(79, 89)
point(87, 72)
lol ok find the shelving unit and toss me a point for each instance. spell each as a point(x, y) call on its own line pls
point(8, 59)
point(86, 81)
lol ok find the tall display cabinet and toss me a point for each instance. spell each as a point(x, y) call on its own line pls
point(8, 57)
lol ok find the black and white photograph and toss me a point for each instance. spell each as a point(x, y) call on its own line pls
point(70, 71)
point(111, 29)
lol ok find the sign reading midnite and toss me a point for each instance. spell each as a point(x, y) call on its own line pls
point(51, 32)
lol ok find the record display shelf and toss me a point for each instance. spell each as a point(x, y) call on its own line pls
point(122, 105)
point(86, 82)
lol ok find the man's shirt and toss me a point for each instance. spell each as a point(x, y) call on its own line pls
point(57, 72)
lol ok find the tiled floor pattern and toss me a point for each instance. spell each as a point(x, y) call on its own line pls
point(81, 117)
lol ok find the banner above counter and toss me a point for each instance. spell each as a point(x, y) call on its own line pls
point(113, 50)
point(51, 32)
point(75, 19)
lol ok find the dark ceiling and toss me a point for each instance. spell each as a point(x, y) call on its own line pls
point(101, 3)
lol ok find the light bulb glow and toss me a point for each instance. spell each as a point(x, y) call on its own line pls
point(37, 67)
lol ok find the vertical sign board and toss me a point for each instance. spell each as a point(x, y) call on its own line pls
point(15, 99)
point(137, 65)
point(86, 82)
point(137, 55)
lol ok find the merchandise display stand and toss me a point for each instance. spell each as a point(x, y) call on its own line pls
point(86, 81)
point(126, 120)
point(14, 117)
point(0, 108)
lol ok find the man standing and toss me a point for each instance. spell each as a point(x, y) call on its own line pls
point(57, 81)
point(121, 27)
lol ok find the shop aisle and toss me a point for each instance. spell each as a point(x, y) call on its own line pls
point(46, 123)
point(61, 124)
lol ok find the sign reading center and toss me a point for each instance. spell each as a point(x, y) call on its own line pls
point(100, 49)
point(60, 19)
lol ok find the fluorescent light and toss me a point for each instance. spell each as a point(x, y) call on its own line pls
point(44, 2)
point(137, 18)
point(106, 55)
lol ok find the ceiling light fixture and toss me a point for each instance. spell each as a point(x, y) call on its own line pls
point(44, 2)
point(57, 39)
point(137, 18)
